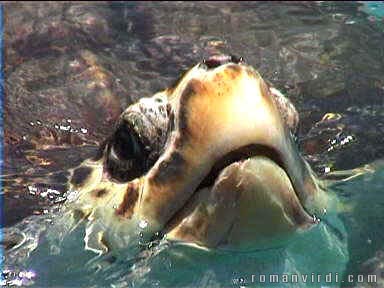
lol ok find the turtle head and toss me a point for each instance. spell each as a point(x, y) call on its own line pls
point(212, 152)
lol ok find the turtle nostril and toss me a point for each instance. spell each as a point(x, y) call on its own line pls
point(218, 60)
point(237, 59)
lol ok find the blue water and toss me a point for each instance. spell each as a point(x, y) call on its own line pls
point(374, 8)
point(350, 233)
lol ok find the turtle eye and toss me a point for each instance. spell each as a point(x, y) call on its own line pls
point(137, 140)
point(126, 145)
point(126, 155)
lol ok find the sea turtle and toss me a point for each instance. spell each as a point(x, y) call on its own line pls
point(210, 162)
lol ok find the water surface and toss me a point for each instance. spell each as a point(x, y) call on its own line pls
point(70, 69)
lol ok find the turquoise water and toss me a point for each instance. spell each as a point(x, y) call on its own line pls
point(374, 8)
point(327, 57)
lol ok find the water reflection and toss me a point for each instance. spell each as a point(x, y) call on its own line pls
point(71, 68)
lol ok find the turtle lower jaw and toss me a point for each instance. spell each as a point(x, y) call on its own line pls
point(268, 205)
point(249, 200)
point(253, 153)
point(240, 155)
